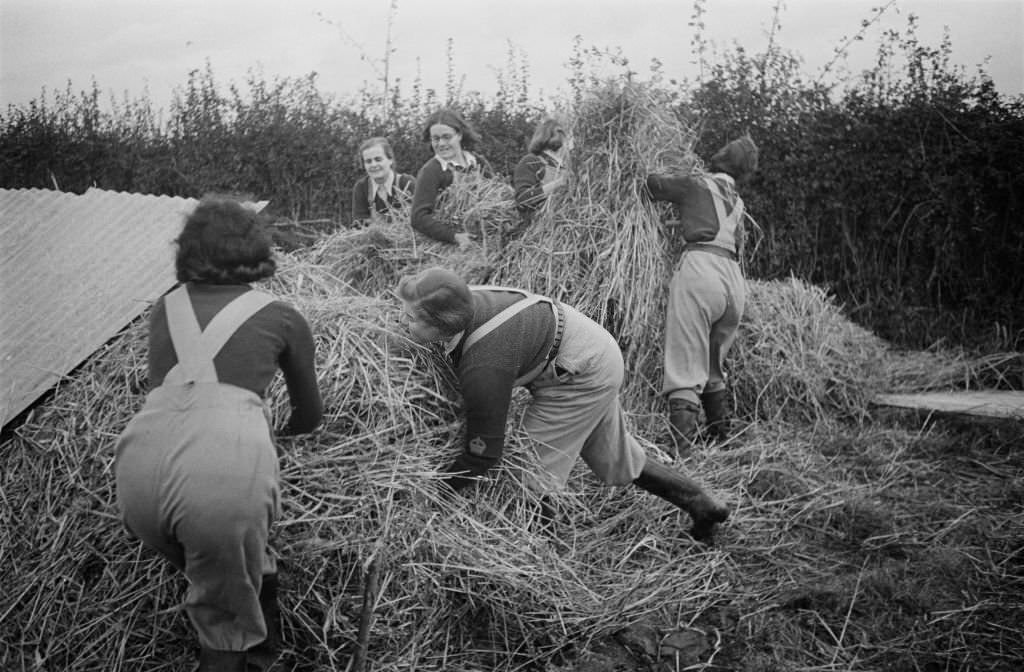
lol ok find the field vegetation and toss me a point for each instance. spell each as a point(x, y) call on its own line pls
point(888, 219)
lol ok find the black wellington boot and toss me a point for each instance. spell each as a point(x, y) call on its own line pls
point(263, 655)
point(212, 660)
point(685, 493)
point(716, 411)
point(682, 419)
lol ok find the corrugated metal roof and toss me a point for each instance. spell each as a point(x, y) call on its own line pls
point(74, 270)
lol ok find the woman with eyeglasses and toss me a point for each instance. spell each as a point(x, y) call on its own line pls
point(451, 138)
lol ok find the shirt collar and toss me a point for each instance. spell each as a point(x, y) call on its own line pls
point(452, 343)
point(554, 158)
point(383, 189)
point(470, 161)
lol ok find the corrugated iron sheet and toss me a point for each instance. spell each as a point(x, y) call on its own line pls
point(74, 270)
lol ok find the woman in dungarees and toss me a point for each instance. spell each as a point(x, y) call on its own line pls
point(196, 468)
point(499, 338)
point(708, 292)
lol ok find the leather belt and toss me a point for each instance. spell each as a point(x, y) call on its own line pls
point(559, 330)
point(712, 249)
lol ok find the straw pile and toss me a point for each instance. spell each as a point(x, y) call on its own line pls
point(372, 259)
point(597, 244)
point(381, 572)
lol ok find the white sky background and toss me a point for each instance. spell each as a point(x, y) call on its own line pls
point(148, 47)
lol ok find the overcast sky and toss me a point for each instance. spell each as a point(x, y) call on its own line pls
point(149, 46)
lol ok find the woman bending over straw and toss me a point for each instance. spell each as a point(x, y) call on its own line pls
point(499, 338)
point(451, 138)
point(707, 292)
point(542, 170)
point(196, 469)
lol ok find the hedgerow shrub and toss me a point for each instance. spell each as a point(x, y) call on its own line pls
point(901, 193)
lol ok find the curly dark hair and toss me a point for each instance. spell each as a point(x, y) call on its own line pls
point(453, 119)
point(224, 243)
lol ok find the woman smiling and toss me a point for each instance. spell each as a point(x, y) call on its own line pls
point(451, 138)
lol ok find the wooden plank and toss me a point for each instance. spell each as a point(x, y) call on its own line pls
point(986, 403)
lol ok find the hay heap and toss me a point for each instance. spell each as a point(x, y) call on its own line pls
point(372, 259)
point(374, 566)
point(597, 244)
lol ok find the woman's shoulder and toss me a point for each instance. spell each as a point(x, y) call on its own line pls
point(430, 167)
point(531, 159)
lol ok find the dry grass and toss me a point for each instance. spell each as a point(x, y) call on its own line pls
point(854, 545)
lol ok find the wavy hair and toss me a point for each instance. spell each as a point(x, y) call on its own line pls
point(224, 243)
point(451, 118)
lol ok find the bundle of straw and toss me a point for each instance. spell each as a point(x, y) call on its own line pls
point(800, 359)
point(598, 244)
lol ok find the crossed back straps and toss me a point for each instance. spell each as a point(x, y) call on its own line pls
point(197, 347)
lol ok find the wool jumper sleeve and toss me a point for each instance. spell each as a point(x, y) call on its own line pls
point(487, 375)
point(430, 182)
point(527, 182)
point(360, 201)
point(297, 365)
point(693, 202)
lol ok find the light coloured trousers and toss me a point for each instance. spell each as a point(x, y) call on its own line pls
point(197, 480)
point(575, 410)
point(706, 299)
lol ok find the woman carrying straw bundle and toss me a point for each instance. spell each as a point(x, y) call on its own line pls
point(196, 468)
point(499, 338)
point(451, 138)
point(542, 170)
point(381, 191)
point(707, 293)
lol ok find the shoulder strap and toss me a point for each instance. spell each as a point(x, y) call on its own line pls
point(187, 339)
point(195, 357)
point(504, 316)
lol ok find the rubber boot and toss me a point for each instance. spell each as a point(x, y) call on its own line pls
point(716, 411)
point(685, 493)
point(682, 420)
point(212, 660)
point(263, 655)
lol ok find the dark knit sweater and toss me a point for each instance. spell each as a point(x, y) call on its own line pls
point(488, 370)
point(431, 181)
point(694, 203)
point(527, 180)
point(277, 336)
point(402, 191)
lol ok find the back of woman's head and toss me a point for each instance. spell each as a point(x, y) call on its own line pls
point(549, 134)
point(439, 295)
point(223, 243)
point(737, 158)
point(452, 119)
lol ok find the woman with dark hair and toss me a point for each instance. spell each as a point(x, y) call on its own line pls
point(500, 338)
point(542, 170)
point(707, 293)
point(196, 468)
point(451, 138)
point(381, 190)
